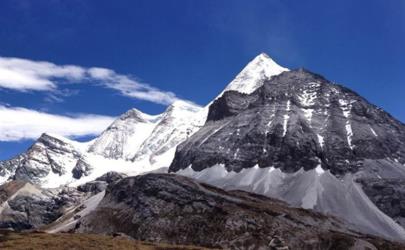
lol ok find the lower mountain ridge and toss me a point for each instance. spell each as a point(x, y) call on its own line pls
point(173, 209)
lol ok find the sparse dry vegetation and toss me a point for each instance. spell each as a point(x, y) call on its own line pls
point(66, 241)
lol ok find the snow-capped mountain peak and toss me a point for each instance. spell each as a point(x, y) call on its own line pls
point(180, 120)
point(182, 105)
point(145, 138)
point(137, 115)
point(124, 136)
point(255, 72)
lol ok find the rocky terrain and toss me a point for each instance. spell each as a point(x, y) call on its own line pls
point(167, 208)
point(178, 210)
point(388, 195)
point(25, 206)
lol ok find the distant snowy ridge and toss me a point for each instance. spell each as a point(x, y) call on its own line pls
point(132, 144)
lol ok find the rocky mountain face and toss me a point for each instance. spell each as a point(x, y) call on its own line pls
point(304, 140)
point(23, 206)
point(178, 210)
point(388, 195)
point(48, 157)
point(296, 120)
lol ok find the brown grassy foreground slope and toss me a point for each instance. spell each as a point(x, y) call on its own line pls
point(65, 241)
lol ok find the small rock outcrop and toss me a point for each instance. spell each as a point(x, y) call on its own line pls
point(101, 183)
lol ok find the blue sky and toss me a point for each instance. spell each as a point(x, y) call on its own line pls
point(191, 50)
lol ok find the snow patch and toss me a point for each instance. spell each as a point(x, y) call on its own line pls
point(308, 96)
point(321, 140)
point(235, 155)
point(319, 170)
point(271, 118)
point(349, 134)
point(373, 131)
point(308, 115)
point(346, 107)
point(286, 118)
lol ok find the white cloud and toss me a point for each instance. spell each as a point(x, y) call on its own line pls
point(20, 123)
point(24, 75)
point(101, 73)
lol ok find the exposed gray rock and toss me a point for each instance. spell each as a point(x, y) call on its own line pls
point(388, 195)
point(69, 197)
point(111, 177)
point(93, 187)
point(101, 183)
point(24, 206)
point(31, 212)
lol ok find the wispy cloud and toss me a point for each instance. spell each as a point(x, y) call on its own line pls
point(131, 87)
point(27, 75)
point(18, 123)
